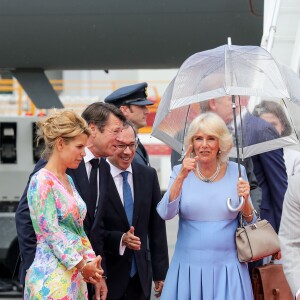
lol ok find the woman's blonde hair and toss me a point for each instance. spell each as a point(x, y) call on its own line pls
point(211, 124)
point(60, 124)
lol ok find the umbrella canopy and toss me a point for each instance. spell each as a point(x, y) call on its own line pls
point(211, 80)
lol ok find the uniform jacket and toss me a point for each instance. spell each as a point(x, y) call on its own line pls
point(141, 155)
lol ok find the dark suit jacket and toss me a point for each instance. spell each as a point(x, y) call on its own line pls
point(141, 155)
point(149, 227)
point(269, 169)
point(26, 234)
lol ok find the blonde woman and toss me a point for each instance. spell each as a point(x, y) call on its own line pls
point(64, 259)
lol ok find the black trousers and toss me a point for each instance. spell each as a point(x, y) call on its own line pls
point(91, 291)
point(133, 291)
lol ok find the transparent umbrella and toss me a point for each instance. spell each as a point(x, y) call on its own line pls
point(226, 71)
point(232, 81)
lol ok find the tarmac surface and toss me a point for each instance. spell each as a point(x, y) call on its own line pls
point(172, 227)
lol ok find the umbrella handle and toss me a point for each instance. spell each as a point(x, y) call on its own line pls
point(239, 207)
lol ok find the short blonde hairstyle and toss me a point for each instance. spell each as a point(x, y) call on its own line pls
point(211, 124)
point(60, 124)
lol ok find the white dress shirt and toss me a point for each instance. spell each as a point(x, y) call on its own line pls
point(118, 179)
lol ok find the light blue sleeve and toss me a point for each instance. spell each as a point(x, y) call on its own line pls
point(168, 210)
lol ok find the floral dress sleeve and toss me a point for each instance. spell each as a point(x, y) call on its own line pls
point(57, 219)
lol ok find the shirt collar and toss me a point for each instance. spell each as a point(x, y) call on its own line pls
point(88, 155)
point(238, 119)
point(116, 171)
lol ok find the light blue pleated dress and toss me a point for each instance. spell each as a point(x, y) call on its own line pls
point(205, 264)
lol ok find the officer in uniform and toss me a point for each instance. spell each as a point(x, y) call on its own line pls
point(132, 101)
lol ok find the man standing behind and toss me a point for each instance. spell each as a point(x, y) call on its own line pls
point(129, 219)
point(269, 167)
point(105, 122)
point(132, 101)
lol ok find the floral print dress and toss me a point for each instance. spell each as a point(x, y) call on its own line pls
point(57, 218)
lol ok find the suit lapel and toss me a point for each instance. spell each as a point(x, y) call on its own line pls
point(116, 201)
point(137, 187)
point(101, 183)
point(142, 153)
point(82, 185)
point(246, 129)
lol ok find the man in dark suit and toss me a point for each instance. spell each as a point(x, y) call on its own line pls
point(128, 230)
point(132, 101)
point(269, 167)
point(105, 122)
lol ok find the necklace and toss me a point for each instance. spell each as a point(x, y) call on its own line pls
point(211, 178)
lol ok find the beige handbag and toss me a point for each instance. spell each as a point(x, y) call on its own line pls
point(255, 241)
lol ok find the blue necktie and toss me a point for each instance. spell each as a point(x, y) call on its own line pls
point(128, 206)
point(127, 198)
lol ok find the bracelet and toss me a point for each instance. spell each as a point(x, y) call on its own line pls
point(248, 216)
point(82, 268)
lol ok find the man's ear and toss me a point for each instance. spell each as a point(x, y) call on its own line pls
point(93, 128)
point(212, 104)
point(124, 109)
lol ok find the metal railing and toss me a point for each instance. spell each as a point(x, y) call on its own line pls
point(74, 94)
point(71, 90)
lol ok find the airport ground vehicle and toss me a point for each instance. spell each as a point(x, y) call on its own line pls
point(18, 154)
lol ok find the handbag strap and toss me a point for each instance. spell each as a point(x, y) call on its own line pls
point(255, 283)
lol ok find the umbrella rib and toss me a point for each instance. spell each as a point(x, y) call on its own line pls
point(292, 121)
point(185, 129)
point(242, 130)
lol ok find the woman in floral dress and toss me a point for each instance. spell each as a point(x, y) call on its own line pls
point(64, 259)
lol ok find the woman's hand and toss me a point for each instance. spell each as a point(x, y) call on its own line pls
point(243, 188)
point(276, 255)
point(92, 271)
point(158, 287)
point(189, 163)
point(100, 290)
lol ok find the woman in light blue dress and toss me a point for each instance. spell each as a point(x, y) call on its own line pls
point(205, 264)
